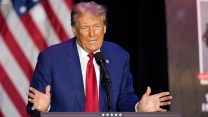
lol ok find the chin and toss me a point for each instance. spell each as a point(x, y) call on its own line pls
point(93, 50)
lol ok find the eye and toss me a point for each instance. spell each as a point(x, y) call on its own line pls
point(97, 26)
point(84, 28)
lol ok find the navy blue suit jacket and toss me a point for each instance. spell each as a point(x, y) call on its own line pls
point(59, 66)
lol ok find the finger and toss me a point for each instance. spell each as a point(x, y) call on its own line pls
point(162, 110)
point(163, 94)
point(147, 93)
point(47, 89)
point(33, 107)
point(28, 94)
point(33, 90)
point(31, 100)
point(31, 95)
point(165, 98)
point(165, 103)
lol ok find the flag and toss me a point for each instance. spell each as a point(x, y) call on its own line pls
point(26, 28)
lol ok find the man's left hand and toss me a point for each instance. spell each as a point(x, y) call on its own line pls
point(153, 103)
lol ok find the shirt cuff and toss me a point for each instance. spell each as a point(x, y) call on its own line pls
point(136, 106)
point(49, 108)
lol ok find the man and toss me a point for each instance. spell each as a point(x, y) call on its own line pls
point(60, 81)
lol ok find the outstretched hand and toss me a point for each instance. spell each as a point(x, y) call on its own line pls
point(153, 103)
point(41, 101)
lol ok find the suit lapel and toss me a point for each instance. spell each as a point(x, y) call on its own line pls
point(75, 73)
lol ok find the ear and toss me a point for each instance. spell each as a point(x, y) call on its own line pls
point(74, 30)
point(105, 27)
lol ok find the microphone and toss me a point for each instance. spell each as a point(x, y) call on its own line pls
point(101, 62)
point(106, 78)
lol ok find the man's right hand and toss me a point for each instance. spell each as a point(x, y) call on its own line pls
point(41, 101)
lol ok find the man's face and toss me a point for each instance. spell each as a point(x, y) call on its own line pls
point(90, 31)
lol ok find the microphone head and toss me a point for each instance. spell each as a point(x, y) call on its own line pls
point(99, 58)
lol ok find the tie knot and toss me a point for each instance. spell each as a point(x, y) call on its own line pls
point(91, 55)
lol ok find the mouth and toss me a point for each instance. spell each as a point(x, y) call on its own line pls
point(92, 42)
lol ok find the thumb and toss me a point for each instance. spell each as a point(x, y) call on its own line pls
point(147, 93)
point(48, 89)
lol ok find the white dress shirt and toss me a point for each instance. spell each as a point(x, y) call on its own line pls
point(83, 62)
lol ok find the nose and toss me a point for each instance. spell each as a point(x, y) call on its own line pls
point(92, 33)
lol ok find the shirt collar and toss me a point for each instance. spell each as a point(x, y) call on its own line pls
point(82, 52)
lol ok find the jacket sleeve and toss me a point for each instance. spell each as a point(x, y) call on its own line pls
point(41, 78)
point(128, 97)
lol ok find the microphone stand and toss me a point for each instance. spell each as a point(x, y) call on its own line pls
point(106, 78)
point(105, 81)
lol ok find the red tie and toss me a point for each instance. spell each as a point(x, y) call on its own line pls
point(91, 99)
